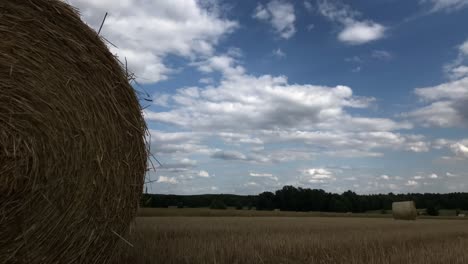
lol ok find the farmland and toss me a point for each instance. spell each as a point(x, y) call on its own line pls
point(291, 238)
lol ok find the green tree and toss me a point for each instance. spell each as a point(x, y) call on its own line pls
point(432, 209)
point(217, 204)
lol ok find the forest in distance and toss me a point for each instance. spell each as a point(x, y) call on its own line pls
point(290, 198)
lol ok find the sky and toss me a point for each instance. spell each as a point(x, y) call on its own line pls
point(248, 96)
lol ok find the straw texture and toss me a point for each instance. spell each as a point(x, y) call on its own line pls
point(404, 210)
point(72, 138)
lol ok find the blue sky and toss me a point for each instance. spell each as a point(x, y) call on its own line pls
point(249, 96)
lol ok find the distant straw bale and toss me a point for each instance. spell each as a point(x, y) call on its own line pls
point(404, 210)
point(72, 138)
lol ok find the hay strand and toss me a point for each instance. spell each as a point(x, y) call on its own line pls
point(72, 138)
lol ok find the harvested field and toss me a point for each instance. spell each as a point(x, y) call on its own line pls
point(295, 240)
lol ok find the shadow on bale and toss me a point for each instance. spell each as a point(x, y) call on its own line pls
point(72, 138)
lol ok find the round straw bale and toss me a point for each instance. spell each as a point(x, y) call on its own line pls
point(73, 153)
point(404, 210)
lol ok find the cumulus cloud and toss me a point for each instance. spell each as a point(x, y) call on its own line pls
point(464, 47)
point(181, 165)
point(460, 149)
point(449, 174)
point(145, 32)
point(163, 143)
point(248, 110)
point(354, 31)
point(263, 175)
point(361, 32)
point(203, 174)
point(168, 180)
point(244, 101)
point(280, 14)
point(458, 68)
point(447, 105)
point(445, 5)
point(385, 177)
point(317, 175)
point(411, 183)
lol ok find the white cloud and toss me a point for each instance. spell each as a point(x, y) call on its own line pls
point(445, 5)
point(419, 146)
point(239, 138)
point(354, 32)
point(439, 114)
point(385, 177)
point(458, 72)
point(317, 175)
point(243, 101)
point(183, 164)
point(168, 180)
point(206, 80)
point(411, 183)
point(280, 14)
point(163, 143)
point(145, 32)
point(458, 68)
point(448, 174)
point(250, 184)
point(203, 174)
point(433, 176)
point(279, 53)
point(263, 175)
point(225, 64)
point(361, 32)
point(464, 46)
point(161, 99)
point(269, 175)
point(447, 105)
point(248, 110)
point(460, 149)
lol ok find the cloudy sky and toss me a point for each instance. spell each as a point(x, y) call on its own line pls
point(249, 96)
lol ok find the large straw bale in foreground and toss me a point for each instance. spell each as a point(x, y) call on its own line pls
point(72, 148)
point(404, 210)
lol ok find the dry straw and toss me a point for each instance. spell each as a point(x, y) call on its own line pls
point(404, 210)
point(72, 138)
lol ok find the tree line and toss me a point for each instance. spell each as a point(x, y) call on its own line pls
point(290, 198)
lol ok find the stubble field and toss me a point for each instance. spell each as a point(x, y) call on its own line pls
point(198, 240)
